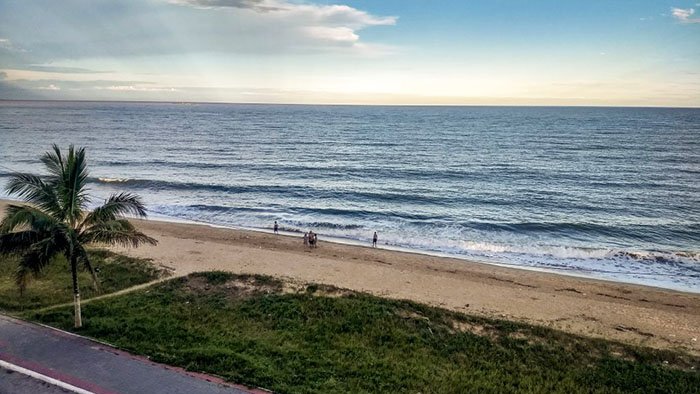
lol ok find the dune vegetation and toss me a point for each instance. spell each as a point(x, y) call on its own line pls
point(296, 338)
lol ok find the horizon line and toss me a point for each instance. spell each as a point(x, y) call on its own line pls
point(350, 104)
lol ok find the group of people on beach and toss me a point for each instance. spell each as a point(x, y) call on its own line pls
point(311, 238)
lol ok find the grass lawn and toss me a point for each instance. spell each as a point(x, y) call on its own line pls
point(54, 285)
point(316, 339)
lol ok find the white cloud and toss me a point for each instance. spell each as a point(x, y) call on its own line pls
point(336, 15)
point(184, 29)
point(332, 34)
point(318, 14)
point(5, 43)
point(306, 24)
point(49, 87)
point(684, 15)
point(136, 88)
point(339, 15)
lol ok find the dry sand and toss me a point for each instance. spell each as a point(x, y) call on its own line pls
point(633, 314)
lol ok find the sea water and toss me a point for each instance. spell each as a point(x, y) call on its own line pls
point(609, 193)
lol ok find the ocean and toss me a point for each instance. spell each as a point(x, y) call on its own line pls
point(607, 193)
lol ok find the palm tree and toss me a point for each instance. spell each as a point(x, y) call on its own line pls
point(55, 220)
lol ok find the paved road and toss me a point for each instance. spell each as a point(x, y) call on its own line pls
point(92, 366)
point(15, 383)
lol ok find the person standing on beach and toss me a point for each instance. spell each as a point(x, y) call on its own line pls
point(312, 239)
point(276, 228)
point(374, 240)
point(306, 240)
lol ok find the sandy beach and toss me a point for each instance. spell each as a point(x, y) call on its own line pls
point(630, 313)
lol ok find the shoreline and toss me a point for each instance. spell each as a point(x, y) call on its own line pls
point(394, 248)
point(402, 249)
point(635, 314)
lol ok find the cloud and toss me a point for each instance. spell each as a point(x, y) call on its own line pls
point(317, 14)
point(86, 85)
point(136, 88)
point(49, 87)
point(256, 5)
point(180, 28)
point(9, 46)
point(337, 15)
point(684, 15)
point(61, 70)
point(5, 43)
point(323, 26)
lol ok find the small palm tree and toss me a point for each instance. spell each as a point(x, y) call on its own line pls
point(55, 220)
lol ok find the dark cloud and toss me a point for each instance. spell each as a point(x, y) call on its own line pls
point(255, 5)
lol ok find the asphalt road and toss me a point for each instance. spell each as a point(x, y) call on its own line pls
point(15, 383)
point(90, 366)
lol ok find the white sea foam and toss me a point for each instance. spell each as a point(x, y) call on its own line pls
point(113, 180)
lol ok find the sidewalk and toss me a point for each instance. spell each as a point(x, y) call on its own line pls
point(95, 367)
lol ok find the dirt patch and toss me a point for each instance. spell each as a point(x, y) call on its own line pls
point(234, 288)
point(476, 329)
point(528, 337)
point(327, 291)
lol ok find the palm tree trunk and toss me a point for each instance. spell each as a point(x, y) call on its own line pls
point(76, 291)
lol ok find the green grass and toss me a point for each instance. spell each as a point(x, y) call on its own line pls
point(317, 339)
point(54, 286)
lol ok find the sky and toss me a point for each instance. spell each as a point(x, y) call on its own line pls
point(462, 52)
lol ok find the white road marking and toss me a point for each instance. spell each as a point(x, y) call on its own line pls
point(44, 378)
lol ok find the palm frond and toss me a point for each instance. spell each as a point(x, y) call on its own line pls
point(53, 161)
point(78, 175)
point(72, 188)
point(19, 216)
point(115, 232)
point(68, 177)
point(18, 242)
point(116, 206)
point(35, 259)
point(34, 190)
